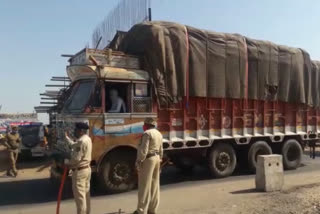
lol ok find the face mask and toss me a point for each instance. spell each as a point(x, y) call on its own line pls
point(145, 127)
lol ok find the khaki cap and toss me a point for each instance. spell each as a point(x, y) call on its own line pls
point(150, 121)
point(14, 126)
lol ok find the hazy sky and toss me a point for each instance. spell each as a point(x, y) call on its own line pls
point(34, 33)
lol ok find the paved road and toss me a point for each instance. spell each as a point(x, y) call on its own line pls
point(34, 195)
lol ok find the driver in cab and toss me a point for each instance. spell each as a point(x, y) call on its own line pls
point(117, 103)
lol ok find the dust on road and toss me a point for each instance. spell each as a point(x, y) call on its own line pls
point(297, 200)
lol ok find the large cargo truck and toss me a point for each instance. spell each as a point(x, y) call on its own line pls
point(216, 131)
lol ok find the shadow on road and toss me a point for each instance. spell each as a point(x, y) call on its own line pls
point(26, 192)
point(171, 175)
point(15, 192)
point(118, 212)
point(245, 191)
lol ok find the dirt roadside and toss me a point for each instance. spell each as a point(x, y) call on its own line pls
point(299, 200)
point(299, 196)
point(28, 168)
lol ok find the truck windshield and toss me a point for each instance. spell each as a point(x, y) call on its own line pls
point(79, 97)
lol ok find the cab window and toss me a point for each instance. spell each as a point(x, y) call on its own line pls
point(117, 98)
point(127, 97)
point(79, 97)
point(141, 101)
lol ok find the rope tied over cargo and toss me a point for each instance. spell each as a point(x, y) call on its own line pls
point(187, 69)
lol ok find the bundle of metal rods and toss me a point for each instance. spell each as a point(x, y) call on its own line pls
point(126, 14)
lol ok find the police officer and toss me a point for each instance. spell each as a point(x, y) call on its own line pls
point(79, 163)
point(12, 141)
point(148, 161)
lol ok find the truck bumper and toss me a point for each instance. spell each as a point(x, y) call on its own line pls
point(37, 151)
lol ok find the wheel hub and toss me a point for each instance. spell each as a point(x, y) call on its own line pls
point(223, 161)
point(121, 172)
point(293, 154)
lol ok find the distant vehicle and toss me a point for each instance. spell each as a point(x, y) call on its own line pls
point(33, 141)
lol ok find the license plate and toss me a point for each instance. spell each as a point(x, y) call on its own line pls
point(36, 152)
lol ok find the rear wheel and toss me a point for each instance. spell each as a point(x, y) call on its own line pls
point(56, 174)
point(256, 149)
point(222, 160)
point(291, 154)
point(117, 173)
point(55, 178)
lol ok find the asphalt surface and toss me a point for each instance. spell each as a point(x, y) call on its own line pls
point(33, 191)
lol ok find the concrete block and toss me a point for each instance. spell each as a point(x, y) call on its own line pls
point(269, 173)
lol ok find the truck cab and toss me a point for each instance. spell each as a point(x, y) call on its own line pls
point(100, 82)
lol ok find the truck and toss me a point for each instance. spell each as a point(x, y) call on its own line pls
point(217, 132)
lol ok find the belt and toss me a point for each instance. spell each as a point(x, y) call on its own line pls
point(152, 154)
point(80, 168)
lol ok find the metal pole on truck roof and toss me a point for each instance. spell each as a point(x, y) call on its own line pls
point(149, 11)
point(149, 14)
point(67, 55)
point(98, 43)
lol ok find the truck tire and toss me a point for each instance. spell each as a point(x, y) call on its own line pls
point(117, 173)
point(54, 180)
point(222, 160)
point(291, 154)
point(256, 149)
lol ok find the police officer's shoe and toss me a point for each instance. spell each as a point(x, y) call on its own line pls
point(10, 174)
point(15, 174)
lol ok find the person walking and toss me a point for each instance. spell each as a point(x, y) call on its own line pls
point(149, 157)
point(12, 141)
point(79, 163)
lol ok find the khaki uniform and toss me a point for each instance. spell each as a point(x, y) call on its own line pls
point(12, 142)
point(149, 171)
point(80, 159)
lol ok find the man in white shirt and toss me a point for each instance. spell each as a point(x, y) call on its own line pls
point(117, 103)
point(79, 163)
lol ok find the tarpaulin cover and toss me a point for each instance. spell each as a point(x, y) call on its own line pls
point(184, 61)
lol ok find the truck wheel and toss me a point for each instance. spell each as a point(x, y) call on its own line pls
point(291, 154)
point(256, 149)
point(222, 160)
point(54, 180)
point(117, 173)
point(56, 175)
